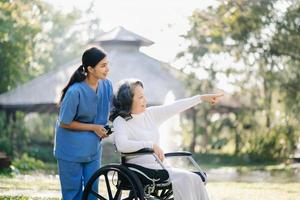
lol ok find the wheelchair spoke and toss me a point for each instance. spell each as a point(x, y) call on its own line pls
point(132, 196)
point(117, 195)
point(108, 186)
point(97, 195)
point(163, 192)
point(168, 194)
point(128, 198)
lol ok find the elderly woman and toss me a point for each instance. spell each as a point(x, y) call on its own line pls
point(136, 127)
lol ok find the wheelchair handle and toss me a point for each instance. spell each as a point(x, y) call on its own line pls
point(109, 129)
point(178, 153)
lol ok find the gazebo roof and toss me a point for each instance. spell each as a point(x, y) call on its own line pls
point(42, 93)
point(121, 35)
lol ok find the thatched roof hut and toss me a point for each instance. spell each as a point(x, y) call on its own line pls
point(126, 61)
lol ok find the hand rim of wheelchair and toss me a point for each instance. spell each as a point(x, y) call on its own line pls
point(137, 192)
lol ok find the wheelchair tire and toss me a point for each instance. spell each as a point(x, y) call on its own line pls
point(133, 190)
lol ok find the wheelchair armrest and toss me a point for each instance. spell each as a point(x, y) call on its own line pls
point(178, 153)
point(139, 152)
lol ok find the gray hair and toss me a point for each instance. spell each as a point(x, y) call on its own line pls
point(123, 99)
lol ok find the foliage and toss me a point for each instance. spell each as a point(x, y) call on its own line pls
point(10, 132)
point(42, 152)
point(276, 144)
point(26, 163)
point(32, 134)
point(15, 198)
point(262, 38)
point(19, 26)
point(58, 42)
point(40, 126)
point(34, 39)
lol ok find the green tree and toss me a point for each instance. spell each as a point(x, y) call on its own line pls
point(34, 39)
point(19, 25)
point(253, 33)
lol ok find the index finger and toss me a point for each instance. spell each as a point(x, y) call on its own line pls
point(219, 94)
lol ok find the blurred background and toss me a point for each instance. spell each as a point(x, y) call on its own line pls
point(249, 143)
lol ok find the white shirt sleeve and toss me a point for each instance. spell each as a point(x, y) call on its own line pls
point(121, 140)
point(161, 113)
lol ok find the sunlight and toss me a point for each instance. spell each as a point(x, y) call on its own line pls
point(171, 138)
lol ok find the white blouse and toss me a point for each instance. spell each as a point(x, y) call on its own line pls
point(142, 130)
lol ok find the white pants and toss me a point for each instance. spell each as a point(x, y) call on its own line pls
point(187, 185)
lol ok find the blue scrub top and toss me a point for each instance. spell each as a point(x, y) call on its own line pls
point(81, 103)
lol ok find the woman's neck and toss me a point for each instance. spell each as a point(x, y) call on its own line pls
point(92, 82)
point(136, 112)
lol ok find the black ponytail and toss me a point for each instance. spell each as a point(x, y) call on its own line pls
point(91, 57)
point(78, 76)
point(123, 99)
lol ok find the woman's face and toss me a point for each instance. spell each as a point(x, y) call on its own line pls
point(139, 101)
point(100, 71)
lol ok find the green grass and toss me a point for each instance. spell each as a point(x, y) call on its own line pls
point(44, 184)
point(253, 191)
point(217, 160)
point(34, 186)
point(24, 198)
point(216, 190)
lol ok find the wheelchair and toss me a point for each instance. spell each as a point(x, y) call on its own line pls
point(127, 181)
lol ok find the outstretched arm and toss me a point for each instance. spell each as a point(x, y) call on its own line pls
point(161, 113)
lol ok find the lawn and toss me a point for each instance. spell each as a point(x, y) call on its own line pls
point(229, 179)
point(253, 191)
point(40, 186)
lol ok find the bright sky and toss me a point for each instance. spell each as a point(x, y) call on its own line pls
point(162, 21)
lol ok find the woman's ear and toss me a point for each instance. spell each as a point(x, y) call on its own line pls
point(90, 69)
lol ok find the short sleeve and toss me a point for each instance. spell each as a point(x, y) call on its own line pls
point(68, 108)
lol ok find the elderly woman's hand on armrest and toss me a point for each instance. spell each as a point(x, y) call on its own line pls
point(159, 152)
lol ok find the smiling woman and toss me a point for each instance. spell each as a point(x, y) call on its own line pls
point(136, 127)
point(84, 109)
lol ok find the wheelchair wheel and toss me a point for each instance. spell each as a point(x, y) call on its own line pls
point(116, 182)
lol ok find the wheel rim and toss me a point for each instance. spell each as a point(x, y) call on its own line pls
point(110, 188)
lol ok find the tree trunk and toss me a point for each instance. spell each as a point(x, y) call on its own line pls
point(10, 120)
point(194, 131)
point(267, 102)
point(237, 142)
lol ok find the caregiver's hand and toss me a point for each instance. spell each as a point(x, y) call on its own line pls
point(100, 130)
